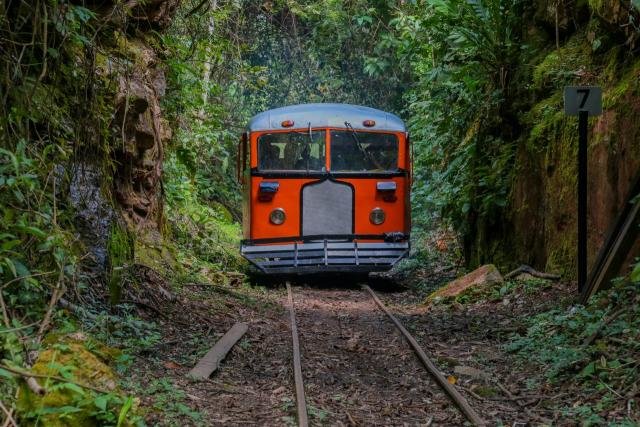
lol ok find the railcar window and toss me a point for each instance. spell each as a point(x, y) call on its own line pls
point(371, 152)
point(298, 151)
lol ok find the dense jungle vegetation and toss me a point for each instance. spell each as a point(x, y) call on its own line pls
point(119, 123)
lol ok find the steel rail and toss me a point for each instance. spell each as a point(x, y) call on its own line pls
point(303, 420)
point(457, 398)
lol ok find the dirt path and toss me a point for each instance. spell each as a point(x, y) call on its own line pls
point(358, 368)
point(253, 384)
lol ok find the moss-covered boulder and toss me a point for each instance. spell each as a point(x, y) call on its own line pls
point(85, 364)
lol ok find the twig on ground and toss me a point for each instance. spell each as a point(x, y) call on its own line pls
point(145, 305)
point(26, 375)
point(530, 270)
point(17, 279)
point(9, 414)
point(509, 394)
point(34, 386)
point(472, 393)
point(351, 420)
point(55, 296)
point(79, 311)
point(611, 390)
point(5, 315)
point(591, 338)
point(30, 325)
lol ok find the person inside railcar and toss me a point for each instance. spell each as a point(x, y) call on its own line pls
point(269, 154)
point(384, 150)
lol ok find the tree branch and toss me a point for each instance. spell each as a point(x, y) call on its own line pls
point(26, 375)
point(197, 8)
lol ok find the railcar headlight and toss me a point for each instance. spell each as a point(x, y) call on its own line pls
point(277, 216)
point(377, 216)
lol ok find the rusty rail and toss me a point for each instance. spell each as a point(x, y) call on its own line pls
point(303, 420)
point(456, 397)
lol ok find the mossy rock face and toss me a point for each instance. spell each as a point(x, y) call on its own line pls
point(128, 251)
point(564, 65)
point(79, 359)
point(120, 255)
point(154, 251)
point(543, 207)
point(550, 13)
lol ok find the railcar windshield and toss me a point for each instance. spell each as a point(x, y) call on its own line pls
point(363, 151)
point(297, 151)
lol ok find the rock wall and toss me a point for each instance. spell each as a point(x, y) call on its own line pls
point(143, 134)
point(597, 47)
point(130, 180)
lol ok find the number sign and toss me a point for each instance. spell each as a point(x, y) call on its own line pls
point(582, 98)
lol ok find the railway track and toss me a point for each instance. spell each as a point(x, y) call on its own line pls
point(301, 400)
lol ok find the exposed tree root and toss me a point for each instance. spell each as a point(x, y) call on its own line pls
point(530, 270)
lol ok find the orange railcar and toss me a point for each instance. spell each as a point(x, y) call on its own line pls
point(325, 189)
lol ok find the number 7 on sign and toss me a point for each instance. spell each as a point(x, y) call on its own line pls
point(582, 98)
point(585, 96)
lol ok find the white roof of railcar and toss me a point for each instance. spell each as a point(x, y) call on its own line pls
point(326, 115)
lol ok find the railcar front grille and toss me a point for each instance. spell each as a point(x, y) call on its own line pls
point(327, 208)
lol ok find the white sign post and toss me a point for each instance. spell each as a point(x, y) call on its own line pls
point(582, 101)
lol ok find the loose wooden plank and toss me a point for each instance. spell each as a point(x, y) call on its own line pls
point(621, 239)
point(303, 420)
point(212, 359)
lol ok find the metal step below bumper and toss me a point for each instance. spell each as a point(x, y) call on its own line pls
point(325, 257)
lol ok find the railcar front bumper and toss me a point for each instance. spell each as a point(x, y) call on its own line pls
point(325, 256)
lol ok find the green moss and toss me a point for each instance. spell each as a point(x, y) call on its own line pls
point(223, 213)
point(611, 70)
point(134, 50)
point(563, 66)
point(596, 5)
point(154, 251)
point(120, 253)
point(79, 359)
point(562, 256)
point(544, 118)
point(560, 226)
point(626, 85)
point(485, 391)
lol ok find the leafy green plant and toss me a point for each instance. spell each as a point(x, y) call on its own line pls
point(126, 331)
point(170, 400)
point(462, 56)
point(594, 346)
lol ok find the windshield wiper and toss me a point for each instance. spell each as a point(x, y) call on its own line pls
point(364, 152)
point(308, 154)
